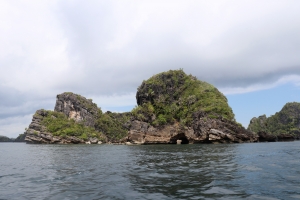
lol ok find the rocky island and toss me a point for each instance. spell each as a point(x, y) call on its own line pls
point(282, 126)
point(172, 107)
point(75, 119)
point(6, 139)
point(20, 138)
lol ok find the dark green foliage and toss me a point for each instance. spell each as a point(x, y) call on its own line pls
point(174, 96)
point(258, 124)
point(112, 125)
point(5, 139)
point(21, 138)
point(287, 121)
point(88, 104)
point(107, 124)
point(59, 125)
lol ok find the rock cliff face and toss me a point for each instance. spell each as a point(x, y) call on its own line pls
point(283, 126)
point(78, 108)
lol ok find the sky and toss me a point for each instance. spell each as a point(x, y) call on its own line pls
point(248, 49)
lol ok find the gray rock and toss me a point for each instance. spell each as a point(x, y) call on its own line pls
point(94, 140)
point(78, 108)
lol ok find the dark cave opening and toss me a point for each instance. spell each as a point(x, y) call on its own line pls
point(181, 137)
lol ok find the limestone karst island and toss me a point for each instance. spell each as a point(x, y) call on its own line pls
point(172, 108)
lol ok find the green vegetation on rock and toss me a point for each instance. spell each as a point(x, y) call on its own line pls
point(165, 98)
point(59, 125)
point(112, 125)
point(287, 121)
point(21, 138)
point(77, 116)
point(174, 96)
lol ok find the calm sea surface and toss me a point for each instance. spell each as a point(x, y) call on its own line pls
point(224, 171)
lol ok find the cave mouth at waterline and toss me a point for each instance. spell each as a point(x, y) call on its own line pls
point(181, 137)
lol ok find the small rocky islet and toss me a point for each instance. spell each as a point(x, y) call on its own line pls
point(282, 126)
point(172, 108)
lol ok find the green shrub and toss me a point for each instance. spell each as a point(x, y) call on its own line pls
point(59, 125)
point(161, 119)
point(112, 125)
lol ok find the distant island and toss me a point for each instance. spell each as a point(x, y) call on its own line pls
point(20, 138)
point(282, 126)
point(172, 108)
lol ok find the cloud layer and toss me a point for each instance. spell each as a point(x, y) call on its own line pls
point(104, 49)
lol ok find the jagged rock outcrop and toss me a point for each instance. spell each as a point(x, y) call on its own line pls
point(78, 108)
point(284, 125)
point(38, 134)
point(174, 106)
point(73, 121)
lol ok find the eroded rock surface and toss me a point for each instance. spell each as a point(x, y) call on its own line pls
point(37, 133)
point(78, 108)
point(203, 130)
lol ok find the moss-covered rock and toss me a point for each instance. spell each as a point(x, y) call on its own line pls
point(55, 127)
point(113, 125)
point(173, 106)
point(76, 119)
point(174, 96)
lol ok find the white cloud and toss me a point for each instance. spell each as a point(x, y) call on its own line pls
point(13, 126)
point(115, 102)
point(104, 49)
point(33, 51)
point(293, 79)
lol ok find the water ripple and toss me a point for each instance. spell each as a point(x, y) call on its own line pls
point(250, 171)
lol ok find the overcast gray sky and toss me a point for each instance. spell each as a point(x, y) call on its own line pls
point(104, 49)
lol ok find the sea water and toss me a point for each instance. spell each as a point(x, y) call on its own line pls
point(204, 171)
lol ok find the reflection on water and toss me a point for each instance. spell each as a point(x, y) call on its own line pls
point(225, 171)
point(182, 171)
